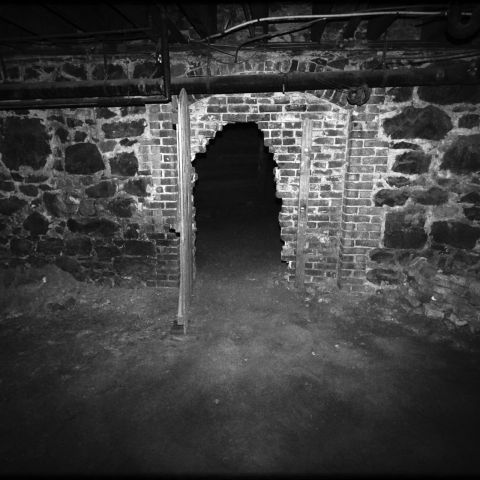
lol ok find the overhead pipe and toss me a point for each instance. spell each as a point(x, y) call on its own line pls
point(142, 91)
point(460, 74)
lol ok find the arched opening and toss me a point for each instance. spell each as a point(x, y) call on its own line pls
point(235, 204)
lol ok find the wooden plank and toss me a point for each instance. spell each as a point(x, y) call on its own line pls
point(303, 202)
point(185, 209)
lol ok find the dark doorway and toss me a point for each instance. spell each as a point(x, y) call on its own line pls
point(236, 207)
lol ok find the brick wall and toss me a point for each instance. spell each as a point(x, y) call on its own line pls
point(342, 225)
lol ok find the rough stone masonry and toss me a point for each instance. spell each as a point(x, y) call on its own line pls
point(394, 185)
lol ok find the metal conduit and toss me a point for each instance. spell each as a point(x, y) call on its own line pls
point(141, 91)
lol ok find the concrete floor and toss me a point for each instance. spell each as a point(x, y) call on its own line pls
point(262, 383)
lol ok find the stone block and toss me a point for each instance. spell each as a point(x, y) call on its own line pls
point(456, 234)
point(36, 178)
point(79, 137)
point(107, 146)
point(81, 245)
point(449, 94)
point(106, 252)
point(469, 120)
point(429, 123)
point(137, 186)
point(404, 231)
point(406, 145)
point(75, 122)
point(471, 197)
point(382, 255)
point(10, 205)
point(134, 128)
point(21, 246)
point(96, 226)
point(29, 190)
point(472, 213)
point(384, 276)
point(126, 142)
point(389, 197)
point(124, 164)
point(87, 207)
point(7, 186)
point(132, 110)
point(50, 246)
point(103, 189)
point(400, 94)
point(36, 224)
point(463, 156)
point(25, 142)
point(54, 204)
point(122, 206)
point(104, 112)
point(432, 196)
point(398, 181)
point(83, 159)
point(62, 134)
point(413, 162)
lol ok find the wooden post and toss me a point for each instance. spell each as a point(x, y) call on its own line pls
point(185, 209)
point(303, 202)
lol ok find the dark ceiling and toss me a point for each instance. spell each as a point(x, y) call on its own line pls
point(67, 27)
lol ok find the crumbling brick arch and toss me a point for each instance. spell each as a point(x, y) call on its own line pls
point(279, 116)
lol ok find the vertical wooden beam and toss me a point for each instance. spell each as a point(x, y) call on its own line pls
point(303, 202)
point(185, 209)
point(343, 232)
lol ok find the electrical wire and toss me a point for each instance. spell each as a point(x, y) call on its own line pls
point(275, 34)
point(331, 16)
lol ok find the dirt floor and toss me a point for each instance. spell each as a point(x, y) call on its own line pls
point(92, 380)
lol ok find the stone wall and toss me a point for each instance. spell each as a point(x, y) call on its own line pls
point(90, 190)
point(392, 181)
point(431, 201)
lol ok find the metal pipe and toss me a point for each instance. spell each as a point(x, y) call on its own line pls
point(141, 91)
point(26, 91)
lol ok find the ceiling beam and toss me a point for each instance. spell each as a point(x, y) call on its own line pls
point(318, 28)
point(62, 17)
point(202, 17)
point(174, 34)
point(16, 25)
point(248, 16)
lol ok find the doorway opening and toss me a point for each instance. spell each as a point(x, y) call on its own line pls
point(236, 209)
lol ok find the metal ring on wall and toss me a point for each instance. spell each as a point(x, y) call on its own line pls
point(358, 95)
